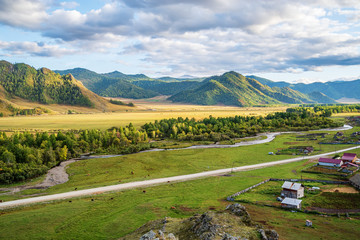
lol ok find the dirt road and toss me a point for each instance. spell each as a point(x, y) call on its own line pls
point(152, 182)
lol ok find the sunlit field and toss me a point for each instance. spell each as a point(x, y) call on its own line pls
point(145, 111)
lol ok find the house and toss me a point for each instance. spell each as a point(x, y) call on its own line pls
point(291, 203)
point(292, 190)
point(349, 157)
point(308, 223)
point(330, 162)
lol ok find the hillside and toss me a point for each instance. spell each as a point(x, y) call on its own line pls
point(333, 90)
point(43, 85)
point(320, 97)
point(167, 87)
point(234, 89)
point(27, 91)
point(113, 84)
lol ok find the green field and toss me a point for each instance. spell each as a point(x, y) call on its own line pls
point(113, 215)
point(108, 171)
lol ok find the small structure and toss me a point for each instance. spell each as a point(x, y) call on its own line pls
point(349, 157)
point(308, 150)
point(308, 223)
point(339, 134)
point(330, 162)
point(291, 203)
point(292, 190)
point(355, 181)
point(271, 153)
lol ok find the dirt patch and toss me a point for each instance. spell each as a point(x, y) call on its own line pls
point(345, 189)
point(185, 209)
point(291, 143)
point(55, 176)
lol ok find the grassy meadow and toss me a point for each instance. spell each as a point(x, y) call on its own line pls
point(149, 165)
point(110, 216)
point(141, 114)
point(113, 215)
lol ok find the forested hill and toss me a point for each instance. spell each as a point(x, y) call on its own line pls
point(115, 84)
point(234, 89)
point(43, 85)
point(118, 84)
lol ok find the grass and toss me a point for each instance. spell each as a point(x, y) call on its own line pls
point(108, 171)
point(268, 192)
point(292, 225)
point(138, 117)
point(113, 215)
point(335, 200)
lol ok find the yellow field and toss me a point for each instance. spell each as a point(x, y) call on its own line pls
point(144, 112)
point(345, 114)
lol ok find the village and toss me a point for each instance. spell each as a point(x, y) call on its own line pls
point(316, 196)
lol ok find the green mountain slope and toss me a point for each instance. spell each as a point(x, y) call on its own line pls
point(320, 97)
point(113, 84)
point(234, 89)
point(43, 85)
point(167, 88)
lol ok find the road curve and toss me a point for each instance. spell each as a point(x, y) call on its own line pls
point(180, 178)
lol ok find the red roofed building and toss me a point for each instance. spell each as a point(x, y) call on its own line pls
point(330, 162)
point(349, 157)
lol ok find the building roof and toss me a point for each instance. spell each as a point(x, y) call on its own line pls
point(291, 201)
point(330, 160)
point(349, 156)
point(355, 179)
point(291, 185)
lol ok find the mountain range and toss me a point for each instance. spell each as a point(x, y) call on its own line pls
point(82, 87)
point(336, 89)
point(235, 89)
point(117, 84)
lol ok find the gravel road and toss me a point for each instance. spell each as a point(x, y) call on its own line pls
point(152, 182)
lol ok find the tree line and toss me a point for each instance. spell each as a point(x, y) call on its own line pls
point(325, 110)
point(27, 155)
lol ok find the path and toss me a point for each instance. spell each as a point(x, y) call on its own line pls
point(152, 182)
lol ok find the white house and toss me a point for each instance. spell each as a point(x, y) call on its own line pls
point(291, 203)
point(292, 190)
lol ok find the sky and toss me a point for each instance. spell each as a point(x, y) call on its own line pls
point(294, 41)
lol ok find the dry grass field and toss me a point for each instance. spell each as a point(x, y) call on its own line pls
point(145, 111)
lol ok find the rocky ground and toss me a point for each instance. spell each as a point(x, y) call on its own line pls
point(234, 223)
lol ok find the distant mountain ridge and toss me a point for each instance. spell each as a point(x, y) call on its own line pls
point(205, 91)
point(334, 90)
point(118, 84)
point(114, 84)
point(234, 89)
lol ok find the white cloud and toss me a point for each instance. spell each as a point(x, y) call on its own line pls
point(196, 37)
point(23, 13)
point(69, 5)
point(34, 49)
